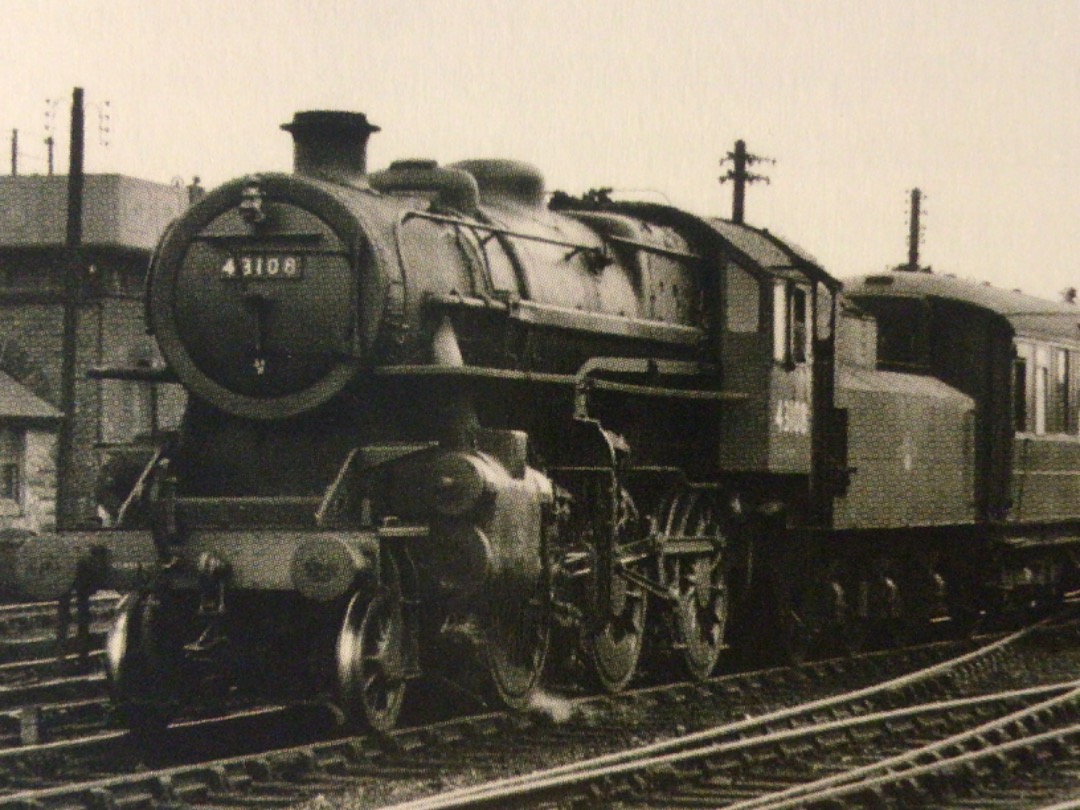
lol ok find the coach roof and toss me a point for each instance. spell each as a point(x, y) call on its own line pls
point(1027, 315)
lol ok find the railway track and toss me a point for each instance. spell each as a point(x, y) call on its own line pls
point(30, 618)
point(993, 765)
point(454, 754)
point(742, 764)
point(45, 691)
point(29, 633)
point(778, 769)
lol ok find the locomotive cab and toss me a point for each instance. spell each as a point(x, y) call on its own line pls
point(778, 349)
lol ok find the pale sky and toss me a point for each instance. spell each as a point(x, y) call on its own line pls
point(977, 102)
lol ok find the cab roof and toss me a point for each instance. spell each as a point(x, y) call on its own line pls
point(770, 253)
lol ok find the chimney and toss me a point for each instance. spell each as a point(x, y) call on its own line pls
point(330, 144)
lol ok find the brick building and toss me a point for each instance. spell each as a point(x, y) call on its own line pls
point(122, 220)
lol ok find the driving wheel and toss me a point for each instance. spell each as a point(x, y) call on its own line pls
point(618, 631)
point(696, 583)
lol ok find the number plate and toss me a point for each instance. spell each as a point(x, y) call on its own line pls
point(258, 266)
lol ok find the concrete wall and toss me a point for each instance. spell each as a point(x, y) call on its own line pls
point(117, 210)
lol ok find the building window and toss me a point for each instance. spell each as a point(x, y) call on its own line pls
point(128, 408)
point(10, 465)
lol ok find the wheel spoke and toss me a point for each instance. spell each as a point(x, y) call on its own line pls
point(369, 682)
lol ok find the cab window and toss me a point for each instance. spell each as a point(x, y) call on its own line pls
point(792, 323)
point(780, 319)
point(800, 325)
point(500, 266)
point(824, 312)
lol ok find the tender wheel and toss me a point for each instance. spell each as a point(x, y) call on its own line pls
point(850, 631)
point(812, 618)
point(616, 638)
point(141, 672)
point(797, 630)
point(697, 584)
point(371, 654)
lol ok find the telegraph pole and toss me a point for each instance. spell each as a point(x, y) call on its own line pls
point(14, 152)
point(66, 503)
point(738, 174)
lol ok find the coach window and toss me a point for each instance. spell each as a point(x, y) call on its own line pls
point(1072, 394)
point(1022, 388)
point(1042, 388)
point(1059, 418)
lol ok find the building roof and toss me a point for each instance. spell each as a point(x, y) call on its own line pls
point(18, 402)
point(1027, 315)
point(118, 211)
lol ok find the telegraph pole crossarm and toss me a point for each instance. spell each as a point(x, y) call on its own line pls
point(740, 159)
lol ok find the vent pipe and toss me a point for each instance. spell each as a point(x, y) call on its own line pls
point(330, 144)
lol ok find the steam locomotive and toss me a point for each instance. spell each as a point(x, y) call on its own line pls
point(437, 417)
